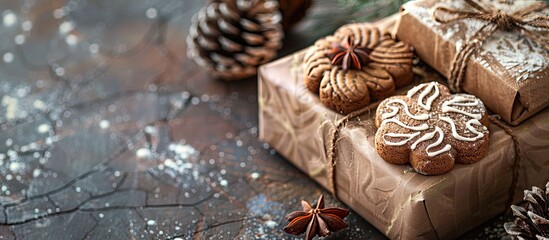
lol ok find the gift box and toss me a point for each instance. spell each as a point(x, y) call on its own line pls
point(506, 68)
point(393, 198)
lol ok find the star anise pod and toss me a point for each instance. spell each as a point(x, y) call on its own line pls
point(313, 221)
point(349, 55)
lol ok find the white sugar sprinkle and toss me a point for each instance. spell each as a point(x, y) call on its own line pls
point(71, 39)
point(8, 57)
point(16, 166)
point(182, 151)
point(255, 175)
point(19, 39)
point(271, 224)
point(36, 172)
point(224, 183)
point(26, 25)
point(44, 128)
point(151, 129)
point(143, 153)
point(12, 106)
point(66, 27)
point(104, 124)
point(9, 18)
point(38, 104)
point(151, 13)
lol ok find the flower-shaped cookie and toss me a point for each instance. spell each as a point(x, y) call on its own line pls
point(356, 65)
point(431, 129)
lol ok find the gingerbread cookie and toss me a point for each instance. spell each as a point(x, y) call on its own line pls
point(356, 65)
point(432, 129)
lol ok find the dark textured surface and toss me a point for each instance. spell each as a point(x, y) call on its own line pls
point(108, 131)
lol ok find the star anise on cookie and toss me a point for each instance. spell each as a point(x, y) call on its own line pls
point(349, 55)
point(355, 66)
point(318, 220)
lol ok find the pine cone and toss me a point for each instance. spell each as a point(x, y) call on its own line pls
point(292, 10)
point(531, 222)
point(231, 38)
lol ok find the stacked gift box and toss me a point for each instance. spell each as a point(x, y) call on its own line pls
point(507, 69)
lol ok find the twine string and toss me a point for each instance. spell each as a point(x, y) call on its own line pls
point(518, 154)
point(334, 137)
point(526, 19)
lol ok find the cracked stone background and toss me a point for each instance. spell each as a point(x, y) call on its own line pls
point(107, 131)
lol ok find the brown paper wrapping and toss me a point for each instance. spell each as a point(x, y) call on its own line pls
point(400, 203)
point(510, 73)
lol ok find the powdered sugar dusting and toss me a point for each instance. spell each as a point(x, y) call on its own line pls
point(520, 57)
point(509, 52)
point(180, 163)
point(457, 31)
point(450, 32)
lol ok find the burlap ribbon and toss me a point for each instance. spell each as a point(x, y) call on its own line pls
point(528, 19)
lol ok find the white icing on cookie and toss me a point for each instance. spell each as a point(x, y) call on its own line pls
point(425, 137)
point(427, 88)
point(438, 142)
point(429, 136)
point(464, 105)
point(432, 154)
point(448, 106)
point(469, 126)
point(415, 128)
point(414, 90)
point(408, 136)
point(394, 110)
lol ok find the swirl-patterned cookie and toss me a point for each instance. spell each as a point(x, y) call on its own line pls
point(356, 65)
point(432, 129)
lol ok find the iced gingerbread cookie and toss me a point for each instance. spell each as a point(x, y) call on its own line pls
point(432, 129)
point(355, 66)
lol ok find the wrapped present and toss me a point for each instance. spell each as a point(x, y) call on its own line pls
point(496, 50)
point(339, 153)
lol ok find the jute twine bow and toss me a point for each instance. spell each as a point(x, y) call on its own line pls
point(334, 137)
point(527, 19)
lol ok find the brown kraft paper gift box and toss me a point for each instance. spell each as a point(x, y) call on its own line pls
point(509, 72)
point(397, 201)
